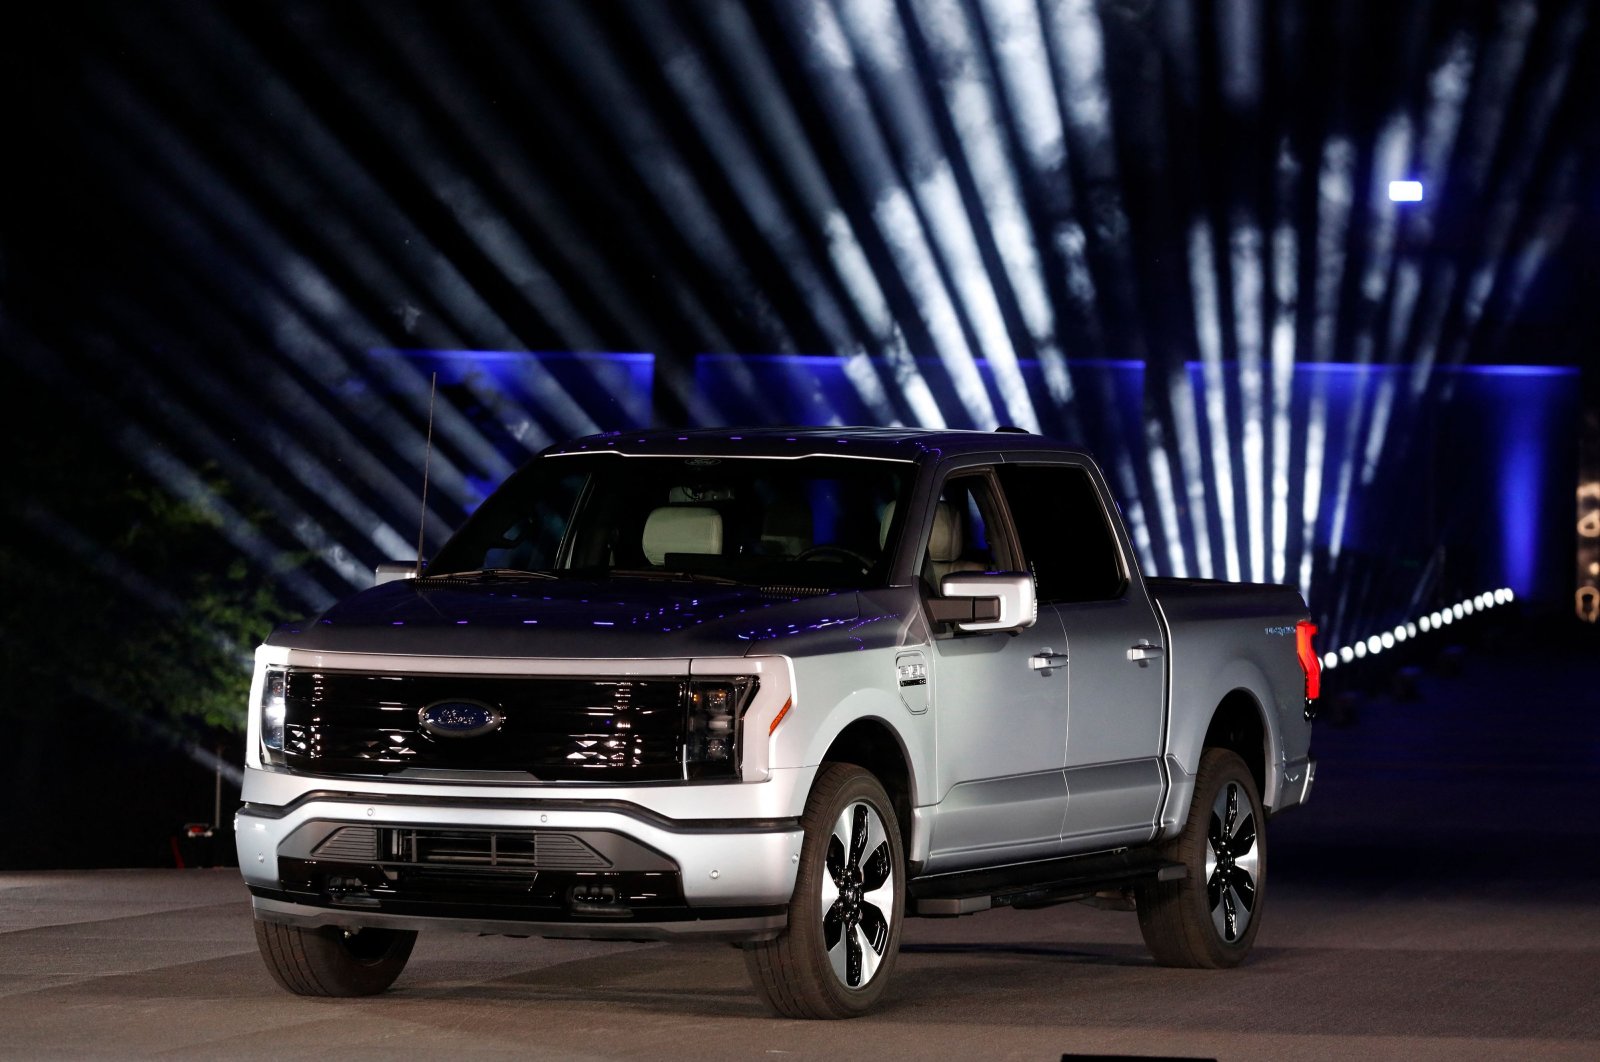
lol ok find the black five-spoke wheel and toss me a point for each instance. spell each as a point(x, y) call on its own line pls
point(838, 951)
point(857, 895)
point(1210, 918)
point(1231, 862)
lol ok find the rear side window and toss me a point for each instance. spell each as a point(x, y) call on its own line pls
point(1065, 535)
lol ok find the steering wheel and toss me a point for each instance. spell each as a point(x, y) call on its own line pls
point(816, 552)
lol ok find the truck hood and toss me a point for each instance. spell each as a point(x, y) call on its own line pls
point(584, 620)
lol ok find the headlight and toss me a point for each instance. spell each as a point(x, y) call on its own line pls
point(716, 710)
point(272, 708)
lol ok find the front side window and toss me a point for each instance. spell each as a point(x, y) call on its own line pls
point(960, 537)
point(818, 522)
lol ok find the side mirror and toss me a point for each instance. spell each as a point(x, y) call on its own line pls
point(986, 601)
point(389, 571)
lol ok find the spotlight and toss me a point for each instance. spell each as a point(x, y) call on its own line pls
point(1425, 624)
point(1411, 629)
point(1460, 613)
point(1347, 654)
point(1361, 650)
point(1375, 645)
point(1330, 661)
point(1388, 640)
point(1405, 191)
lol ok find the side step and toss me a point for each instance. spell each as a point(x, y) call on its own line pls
point(1036, 884)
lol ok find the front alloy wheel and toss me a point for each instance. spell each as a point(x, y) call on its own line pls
point(835, 957)
point(858, 897)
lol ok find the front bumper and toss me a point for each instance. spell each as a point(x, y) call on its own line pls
point(510, 863)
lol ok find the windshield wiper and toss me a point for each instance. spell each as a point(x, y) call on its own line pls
point(670, 575)
point(489, 573)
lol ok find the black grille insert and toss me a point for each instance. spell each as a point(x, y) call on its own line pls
point(556, 729)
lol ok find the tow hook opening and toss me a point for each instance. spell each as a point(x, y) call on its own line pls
point(348, 891)
point(597, 901)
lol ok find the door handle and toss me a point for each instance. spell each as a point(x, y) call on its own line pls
point(1144, 651)
point(1047, 660)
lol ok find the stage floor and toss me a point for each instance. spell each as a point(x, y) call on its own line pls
point(1437, 900)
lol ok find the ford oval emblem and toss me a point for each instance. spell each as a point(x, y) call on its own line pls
point(460, 719)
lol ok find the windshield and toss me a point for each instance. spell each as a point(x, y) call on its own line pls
point(809, 523)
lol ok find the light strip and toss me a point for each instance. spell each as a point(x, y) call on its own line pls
point(1376, 644)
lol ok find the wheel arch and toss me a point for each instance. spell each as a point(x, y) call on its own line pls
point(873, 745)
point(1239, 724)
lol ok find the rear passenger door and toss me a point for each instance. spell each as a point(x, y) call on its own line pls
point(1115, 654)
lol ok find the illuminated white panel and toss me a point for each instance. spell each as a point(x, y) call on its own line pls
point(1333, 199)
point(902, 230)
point(1405, 191)
point(1248, 313)
point(1208, 332)
point(970, 97)
point(832, 66)
point(1166, 496)
point(878, 37)
point(739, 45)
point(752, 183)
point(1286, 285)
point(658, 164)
point(1191, 463)
point(1018, 41)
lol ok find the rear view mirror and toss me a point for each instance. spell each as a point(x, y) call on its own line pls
point(986, 601)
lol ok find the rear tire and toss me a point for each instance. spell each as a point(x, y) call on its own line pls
point(330, 961)
point(837, 953)
point(1210, 918)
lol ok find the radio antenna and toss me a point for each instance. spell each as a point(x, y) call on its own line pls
point(427, 458)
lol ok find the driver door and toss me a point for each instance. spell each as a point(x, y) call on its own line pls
point(999, 717)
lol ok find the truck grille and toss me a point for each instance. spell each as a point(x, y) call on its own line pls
point(557, 729)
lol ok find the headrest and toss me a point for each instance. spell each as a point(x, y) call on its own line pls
point(681, 529)
point(944, 541)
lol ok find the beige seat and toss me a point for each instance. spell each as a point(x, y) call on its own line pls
point(945, 541)
point(681, 529)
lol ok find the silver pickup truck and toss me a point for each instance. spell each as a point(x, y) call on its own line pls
point(778, 687)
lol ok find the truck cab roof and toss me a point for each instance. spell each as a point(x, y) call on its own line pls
point(906, 444)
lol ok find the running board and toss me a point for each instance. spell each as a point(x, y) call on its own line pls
point(1037, 884)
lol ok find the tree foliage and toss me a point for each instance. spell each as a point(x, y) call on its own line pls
point(119, 593)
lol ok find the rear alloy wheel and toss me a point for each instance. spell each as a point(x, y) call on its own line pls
point(330, 961)
point(1210, 918)
point(839, 949)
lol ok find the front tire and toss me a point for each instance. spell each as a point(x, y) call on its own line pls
point(330, 961)
point(836, 956)
point(1210, 918)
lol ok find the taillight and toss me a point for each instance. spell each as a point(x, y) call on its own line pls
point(1310, 663)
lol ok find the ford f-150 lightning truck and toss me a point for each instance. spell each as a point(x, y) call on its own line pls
point(780, 687)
